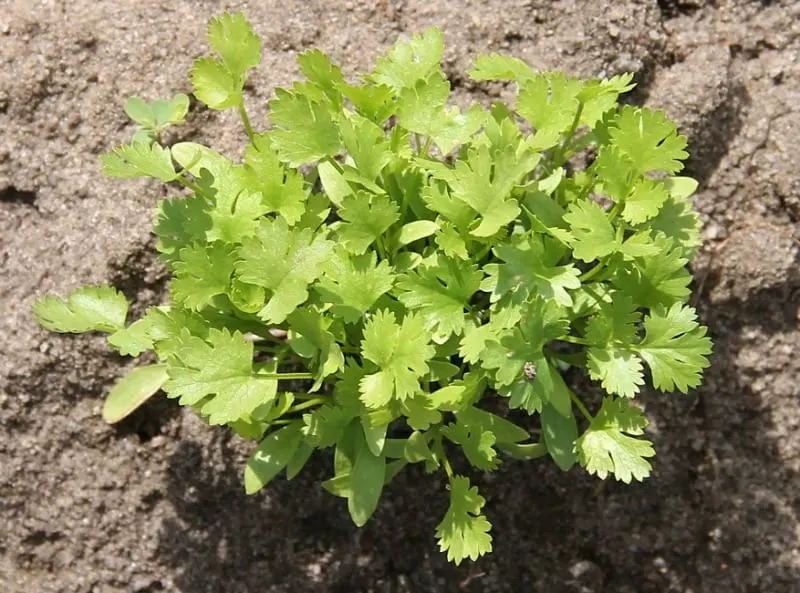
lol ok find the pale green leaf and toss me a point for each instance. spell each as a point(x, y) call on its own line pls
point(132, 391)
point(271, 456)
point(89, 308)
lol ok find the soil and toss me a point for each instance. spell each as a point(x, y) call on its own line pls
point(156, 503)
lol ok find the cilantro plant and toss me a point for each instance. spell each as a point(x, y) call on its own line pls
point(377, 265)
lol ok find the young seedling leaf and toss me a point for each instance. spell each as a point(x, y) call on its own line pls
point(271, 456)
point(90, 308)
point(132, 391)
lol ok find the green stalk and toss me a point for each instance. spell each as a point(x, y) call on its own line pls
point(317, 401)
point(285, 376)
point(589, 274)
point(581, 407)
point(336, 165)
point(248, 128)
point(189, 185)
point(438, 450)
point(559, 157)
point(574, 340)
point(426, 147)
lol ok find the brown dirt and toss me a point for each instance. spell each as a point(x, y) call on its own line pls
point(156, 503)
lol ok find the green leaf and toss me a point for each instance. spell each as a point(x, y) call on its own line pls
point(476, 441)
point(675, 347)
point(317, 67)
point(221, 367)
point(615, 173)
point(235, 202)
point(400, 351)
point(598, 97)
point(155, 117)
point(133, 390)
point(505, 432)
point(366, 218)
point(532, 394)
point(522, 348)
point(201, 273)
point(531, 268)
point(410, 61)
point(157, 330)
point(89, 308)
point(450, 241)
point(180, 222)
point(215, 85)
point(354, 283)
point(139, 160)
point(648, 139)
point(617, 368)
point(644, 201)
point(679, 222)
point(464, 531)
point(373, 101)
point(477, 338)
point(611, 359)
point(484, 181)
point(559, 432)
point(325, 426)
point(414, 231)
point(366, 482)
point(441, 292)
point(605, 448)
point(422, 109)
point(134, 339)
point(499, 67)
point(420, 412)
point(305, 131)
point(374, 435)
point(232, 37)
point(298, 460)
point(659, 279)
point(593, 236)
point(334, 183)
point(271, 456)
point(284, 261)
point(438, 198)
point(417, 450)
point(366, 143)
point(550, 102)
point(280, 189)
point(327, 356)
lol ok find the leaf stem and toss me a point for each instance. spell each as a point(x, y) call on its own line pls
point(580, 405)
point(558, 158)
point(285, 376)
point(336, 165)
point(317, 401)
point(248, 128)
point(438, 450)
point(189, 185)
point(591, 292)
point(588, 275)
point(426, 147)
point(614, 212)
point(574, 340)
point(484, 252)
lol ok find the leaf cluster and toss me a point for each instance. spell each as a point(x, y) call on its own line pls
point(377, 264)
